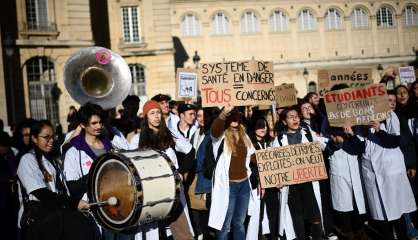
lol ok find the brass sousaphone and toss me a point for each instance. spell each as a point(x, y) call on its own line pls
point(97, 75)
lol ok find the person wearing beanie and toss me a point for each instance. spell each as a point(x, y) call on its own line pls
point(155, 135)
point(231, 188)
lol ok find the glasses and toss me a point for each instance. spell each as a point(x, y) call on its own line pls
point(47, 137)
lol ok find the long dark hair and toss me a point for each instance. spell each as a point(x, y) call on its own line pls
point(34, 132)
point(150, 139)
point(267, 138)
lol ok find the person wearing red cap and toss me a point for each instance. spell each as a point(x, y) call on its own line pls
point(156, 135)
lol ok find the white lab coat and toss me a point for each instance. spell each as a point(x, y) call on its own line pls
point(389, 194)
point(220, 186)
point(286, 222)
point(345, 182)
point(254, 209)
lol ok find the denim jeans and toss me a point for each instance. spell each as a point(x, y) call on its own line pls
point(239, 196)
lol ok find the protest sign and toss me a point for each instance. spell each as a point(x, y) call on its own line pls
point(357, 106)
point(186, 83)
point(407, 75)
point(353, 77)
point(290, 164)
point(242, 83)
point(286, 95)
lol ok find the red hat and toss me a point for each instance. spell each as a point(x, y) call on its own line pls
point(151, 104)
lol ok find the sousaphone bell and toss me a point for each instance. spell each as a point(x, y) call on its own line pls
point(97, 75)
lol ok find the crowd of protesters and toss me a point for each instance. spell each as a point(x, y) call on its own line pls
point(371, 191)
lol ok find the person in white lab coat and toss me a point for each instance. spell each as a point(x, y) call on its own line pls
point(300, 203)
point(231, 186)
point(388, 192)
point(261, 139)
point(155, 135)
point(80, 152)
point(346, 185)
point(49, 211)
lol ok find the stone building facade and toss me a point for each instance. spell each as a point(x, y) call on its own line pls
point(156, 36)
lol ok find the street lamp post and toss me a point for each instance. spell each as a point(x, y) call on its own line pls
point(196, 59)
point(10, 49)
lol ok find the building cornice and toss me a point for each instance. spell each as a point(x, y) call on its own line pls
point(343, 62)
point(151, 52)
point(52, 43)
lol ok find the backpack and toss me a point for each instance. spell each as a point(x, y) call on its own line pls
point(209, 163)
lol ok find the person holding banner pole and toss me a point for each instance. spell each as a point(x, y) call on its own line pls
point(300, 210)
point(231, 186)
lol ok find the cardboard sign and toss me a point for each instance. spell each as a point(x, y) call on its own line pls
point(357, 106)
point(242, 83)
point(407, 75)
point(186, 83)
point(355, 77)
point(291, 164)
point(286, 95)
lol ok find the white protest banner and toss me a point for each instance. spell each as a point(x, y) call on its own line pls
point(290, 164)
point(357, 106)
point(286, 95)
point(407, 75)
point(353, 77)
point(239, 83)
point(186, 83)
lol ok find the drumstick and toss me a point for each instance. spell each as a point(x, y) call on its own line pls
point(111, 201)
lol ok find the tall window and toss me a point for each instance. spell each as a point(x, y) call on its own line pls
point(190, 25)
point(249, 22)
point(41, 78)
point(138, 79)
point(384, 17)
point(130, 18)
point(410, 17)
point(37, 14)
point(360, 18)
point(278, 21)
point(306, 20)
point(333, 19)
point(220, 24)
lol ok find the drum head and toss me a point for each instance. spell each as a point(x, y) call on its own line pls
point(112, 176)
point(114, 180)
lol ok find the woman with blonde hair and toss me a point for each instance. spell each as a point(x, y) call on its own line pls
point(231, 189)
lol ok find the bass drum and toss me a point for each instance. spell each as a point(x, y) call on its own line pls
point(145, 184)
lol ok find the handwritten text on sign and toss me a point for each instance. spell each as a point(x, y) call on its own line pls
point(291, 164)
point(286, 95)
point(240, 83)
point(356, 77)
point(357, 106)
